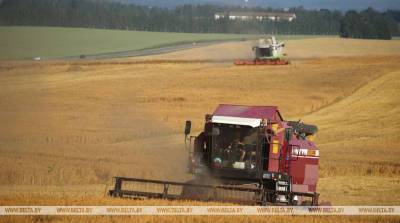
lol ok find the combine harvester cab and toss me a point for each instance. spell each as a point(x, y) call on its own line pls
point(267, 52)
point(245, 154)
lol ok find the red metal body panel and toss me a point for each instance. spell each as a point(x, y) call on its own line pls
point(261, 112)
point(303, 166)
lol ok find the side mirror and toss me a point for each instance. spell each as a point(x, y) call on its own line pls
point(188, 126)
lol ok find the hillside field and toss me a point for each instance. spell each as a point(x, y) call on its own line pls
point(68, 127)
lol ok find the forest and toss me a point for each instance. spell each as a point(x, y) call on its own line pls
point(195, 18)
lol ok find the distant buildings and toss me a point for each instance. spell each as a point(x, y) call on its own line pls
point(246, 16)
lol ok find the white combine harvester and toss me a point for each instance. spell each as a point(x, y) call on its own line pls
point(267, 52)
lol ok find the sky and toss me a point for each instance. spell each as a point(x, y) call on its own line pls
point(309, 4)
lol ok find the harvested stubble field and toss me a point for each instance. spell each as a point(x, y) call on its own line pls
point(68, 127)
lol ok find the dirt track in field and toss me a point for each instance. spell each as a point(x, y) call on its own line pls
point(148, 52)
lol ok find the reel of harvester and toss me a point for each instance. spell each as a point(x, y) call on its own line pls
point(261, 62)
point(157, 189)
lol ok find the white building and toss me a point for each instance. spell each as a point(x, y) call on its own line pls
point(275, 16)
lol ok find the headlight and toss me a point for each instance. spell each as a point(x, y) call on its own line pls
point(267, 176)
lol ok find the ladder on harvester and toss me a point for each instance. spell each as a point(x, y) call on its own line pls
point(284, 185)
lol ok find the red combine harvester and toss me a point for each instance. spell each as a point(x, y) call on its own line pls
point(245, 154)
point(267, 52)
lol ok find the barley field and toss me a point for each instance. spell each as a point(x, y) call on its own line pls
point(297, 48)
point(68, 127)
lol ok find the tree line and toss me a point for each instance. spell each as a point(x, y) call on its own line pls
point(369, 24)
point(190, 18)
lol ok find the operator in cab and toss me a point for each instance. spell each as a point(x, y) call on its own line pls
point(235, 150)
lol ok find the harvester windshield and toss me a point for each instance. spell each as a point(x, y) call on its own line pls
point(264, 52)
point(234, 146)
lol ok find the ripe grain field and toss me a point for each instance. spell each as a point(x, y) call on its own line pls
point(68, 127)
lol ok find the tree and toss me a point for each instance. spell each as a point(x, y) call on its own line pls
point(368, 24)
point(194, 18)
